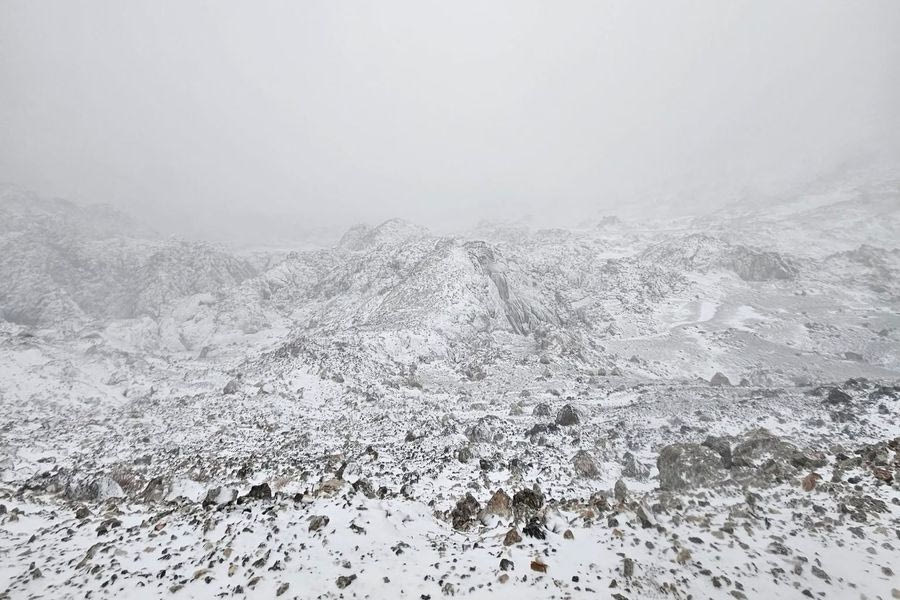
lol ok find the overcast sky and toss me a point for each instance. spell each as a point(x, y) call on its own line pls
point(200, 113)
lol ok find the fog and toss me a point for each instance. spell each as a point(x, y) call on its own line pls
point(209, 117)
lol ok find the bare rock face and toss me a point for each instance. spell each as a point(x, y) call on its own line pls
point(686, 466)
point(585, 465)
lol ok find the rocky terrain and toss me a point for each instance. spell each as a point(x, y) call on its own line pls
point(702, 407)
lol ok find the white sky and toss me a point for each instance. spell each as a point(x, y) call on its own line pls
point(201, 113)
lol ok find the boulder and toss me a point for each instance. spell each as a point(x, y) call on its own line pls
point(542, 409)
point(686, 466)
point(567, 416)
point(585, 465)
point(484, 430)
point(759, 446)
point(719, 380)
point(633, 468)
point(465, 511)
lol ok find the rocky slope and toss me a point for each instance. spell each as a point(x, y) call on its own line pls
point(693, 408)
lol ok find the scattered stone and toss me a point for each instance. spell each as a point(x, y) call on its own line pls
point(345, 580)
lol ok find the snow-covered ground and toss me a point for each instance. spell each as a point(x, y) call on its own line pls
point(707, 408)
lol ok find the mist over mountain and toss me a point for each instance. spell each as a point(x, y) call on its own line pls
point(430, 300)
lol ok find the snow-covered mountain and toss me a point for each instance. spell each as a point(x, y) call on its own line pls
point(711, 397)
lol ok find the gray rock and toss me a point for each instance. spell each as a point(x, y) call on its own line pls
point(620, 491)
point(633, 468)
point(467, 508)
point(542, 409)
point(759, 446)
point(722, 446)
point(720, 380)
point(686, 466)
point(567, 416)
point(585, 465)
point(485, 430)
point(232, 387)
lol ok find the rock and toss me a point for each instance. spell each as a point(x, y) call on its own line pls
point(539, 566)
point(683, 556)
point(507, 565)
point(568, 535)
point(585, 465)
point(499, 505)
point(529, 499)
point(260, 492)
point(541, 409)
point(567, 416)
point(620, 491)
point(464, 454)
point(484, 430)
point(220, 495)
point(759, 447)
point(282, 588)
point(535, 528)
point(883, 474)
point(837, 396)
point(345, 580)
point(809, 459)
point(317, 522)
point(722, 446)
point(628, 567)
point(685, 466)
point(633, 468)
point(464, 513)
point(719, 380)
point(512, 537)
point(102, 488)
point(645, 516)
point(232, 387)
point(809, 482)
point(154, 491)
point(80, 514)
